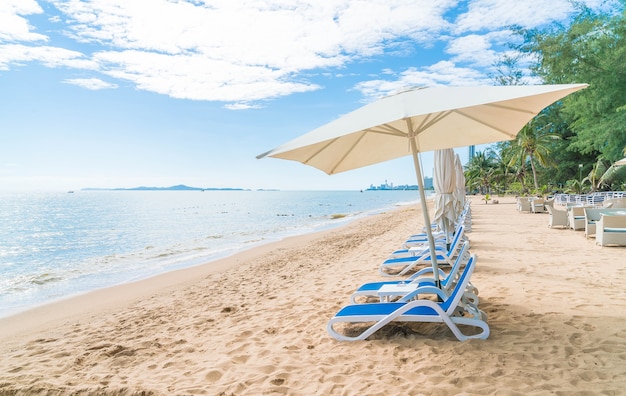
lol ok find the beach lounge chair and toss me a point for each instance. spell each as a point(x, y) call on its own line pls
point(421, 279)
point(400, 266)
point(422, 237)
point(417, 247)
point(558, 218)
point(418, 241)
point(450, 311)
point(439, 237)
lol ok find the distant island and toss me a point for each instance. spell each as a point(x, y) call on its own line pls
point(180, 187)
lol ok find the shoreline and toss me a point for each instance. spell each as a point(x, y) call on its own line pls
point(84, 272)
point(554, 302)
point(109, 298)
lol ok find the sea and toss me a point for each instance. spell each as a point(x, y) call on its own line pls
point(58, 245)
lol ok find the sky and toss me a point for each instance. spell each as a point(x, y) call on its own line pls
point(127, 93)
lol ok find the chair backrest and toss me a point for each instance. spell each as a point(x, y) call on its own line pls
point(618, 202)
point(453, 301)
point(523, 204)
point(457, 265)
point(593, 214)
point(555, 212)
point(456, 240)
point(612, 221)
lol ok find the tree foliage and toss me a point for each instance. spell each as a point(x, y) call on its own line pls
point(592, 49)
point(587, 128)
point(533, 146)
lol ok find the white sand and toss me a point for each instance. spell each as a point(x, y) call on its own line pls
point(254, 324)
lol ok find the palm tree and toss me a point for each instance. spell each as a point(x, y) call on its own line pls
point(503, 172)
point(594, 178)
point(480, 170)
point(532, 145)
point(610, 175)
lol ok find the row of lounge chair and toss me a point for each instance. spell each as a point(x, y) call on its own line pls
point(417, 298)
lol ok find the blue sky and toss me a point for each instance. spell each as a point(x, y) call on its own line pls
point(124, 93)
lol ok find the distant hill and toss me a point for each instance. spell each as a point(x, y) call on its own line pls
point(180, 187)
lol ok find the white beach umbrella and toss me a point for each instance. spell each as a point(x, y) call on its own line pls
point(421, 120)
point(444, 182)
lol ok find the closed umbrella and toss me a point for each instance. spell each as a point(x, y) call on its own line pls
point(444, 182)
point(459, 192)
point(421, 120)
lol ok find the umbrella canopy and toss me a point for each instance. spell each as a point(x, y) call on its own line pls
point(620, 162)
point(444, 182)
point(459, 192)
point(421, 120)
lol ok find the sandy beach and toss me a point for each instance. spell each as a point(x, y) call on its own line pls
point(255, 323)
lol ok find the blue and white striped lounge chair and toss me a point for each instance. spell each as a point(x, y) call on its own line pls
point(422, 278)
point(450, 311)
point(415, 247)
point(439, 236)
point(401, 265)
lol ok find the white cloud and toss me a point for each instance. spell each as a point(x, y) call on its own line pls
point(477, 40)
point(441, 73)
point(473, 49)
point(13, 25)
point(49, 56)
point(93, 84)
point(242, 51)
point(242, 106)
point(198, 78)
point(495, 14)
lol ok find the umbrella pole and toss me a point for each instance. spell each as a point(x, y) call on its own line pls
point(429, 232)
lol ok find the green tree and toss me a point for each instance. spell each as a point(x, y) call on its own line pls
point(503, 172)
point(532, 146)
point(594, 178)
point(507, 71)
point(480, 170)
point(592, 49)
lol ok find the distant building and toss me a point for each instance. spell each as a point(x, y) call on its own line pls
point(428, 185)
